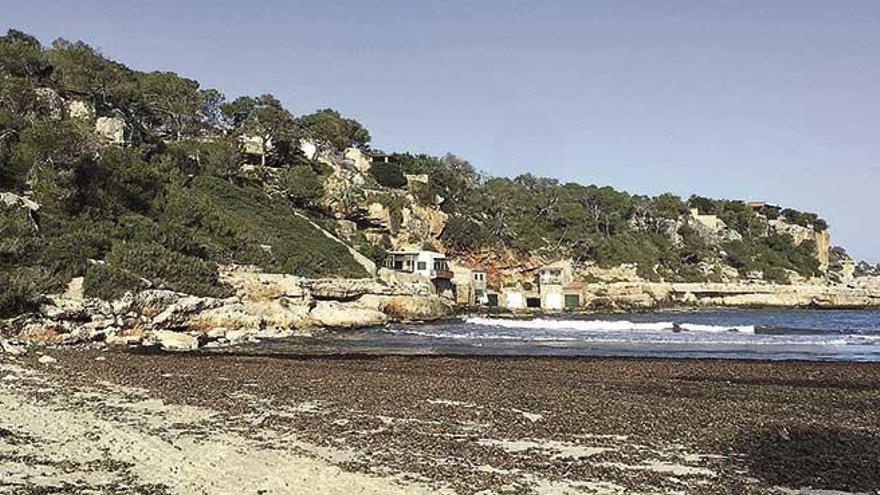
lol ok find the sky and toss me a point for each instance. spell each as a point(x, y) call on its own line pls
point(776, 100)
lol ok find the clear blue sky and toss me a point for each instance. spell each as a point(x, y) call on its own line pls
point(765, 99)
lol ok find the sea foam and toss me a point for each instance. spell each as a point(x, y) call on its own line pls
point(604, 325)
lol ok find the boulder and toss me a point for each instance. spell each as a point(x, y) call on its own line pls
point(359, 159)
point(175, 341)
point(264, 286)
point(334, 314)
point(178, 314)
point(79, 109)
point(251, 316)
point(14, 200)
point(111, 130)
point(47, 360)
point(74, 290)
point(12, 349)
point(408, 308)
point(309, 148)
point(234, 336)
point(406, 283)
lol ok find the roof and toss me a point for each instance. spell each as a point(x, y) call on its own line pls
point(416, 253)
point(760, 204)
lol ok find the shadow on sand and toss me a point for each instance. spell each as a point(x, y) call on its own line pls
point(813, 456)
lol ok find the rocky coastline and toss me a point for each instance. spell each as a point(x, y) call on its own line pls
point(262, 306)
point(278, 306)
point(655, 295)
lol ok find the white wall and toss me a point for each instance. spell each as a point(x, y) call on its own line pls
point(515, 300)
point(553, 301)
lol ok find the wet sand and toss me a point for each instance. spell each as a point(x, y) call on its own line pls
point(420, 424)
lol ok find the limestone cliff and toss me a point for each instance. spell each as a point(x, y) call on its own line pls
point(263, 305)
point(362, 205)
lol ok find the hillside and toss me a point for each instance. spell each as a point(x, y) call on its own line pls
point(139, 180)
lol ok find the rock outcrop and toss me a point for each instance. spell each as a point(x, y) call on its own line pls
point(340, 315)
point(647, 295)
point(801, 234)
point(111, 130)
point(264, 305)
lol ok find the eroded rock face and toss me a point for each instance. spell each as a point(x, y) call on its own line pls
point(175, 341)
point(111, 130)
point(360, 160)
point(409, 308)
point(178, 314)
point(264, 305)
point(420, 225)
point(648, 295)
point(333, 314)
point(801, 234)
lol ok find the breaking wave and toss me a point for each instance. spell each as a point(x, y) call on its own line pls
point(606, 325)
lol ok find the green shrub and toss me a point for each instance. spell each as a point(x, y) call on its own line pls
point(463, 234)
point(167, 269)
point(804, 219)
point(303, 185)
point(388, 174)
point(704, 206)
point(107, 282)
point(368, 249)
point(18, 238)
point(21, 291)
point(246, 226)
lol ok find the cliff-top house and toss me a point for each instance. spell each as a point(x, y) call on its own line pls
point(431, 265)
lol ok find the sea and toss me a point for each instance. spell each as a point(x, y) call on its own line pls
point(755, 334)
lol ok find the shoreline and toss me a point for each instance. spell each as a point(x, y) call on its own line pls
point(278, 305)
point(419, 424)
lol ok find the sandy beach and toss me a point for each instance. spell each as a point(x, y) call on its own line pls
point(118, 422)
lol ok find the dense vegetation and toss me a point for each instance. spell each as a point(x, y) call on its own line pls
point(174, 203)
point(591, 223)
point(171, 205)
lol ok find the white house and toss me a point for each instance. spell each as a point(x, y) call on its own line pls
point(513, 299)
point(429, 264)
point(553, 278)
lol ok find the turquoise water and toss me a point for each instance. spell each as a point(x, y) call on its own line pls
point(814, 335)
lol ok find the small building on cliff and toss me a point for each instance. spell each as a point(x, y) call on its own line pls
point(470, 285)
point(429, 264)
point(764, 208)
point(552, 281)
